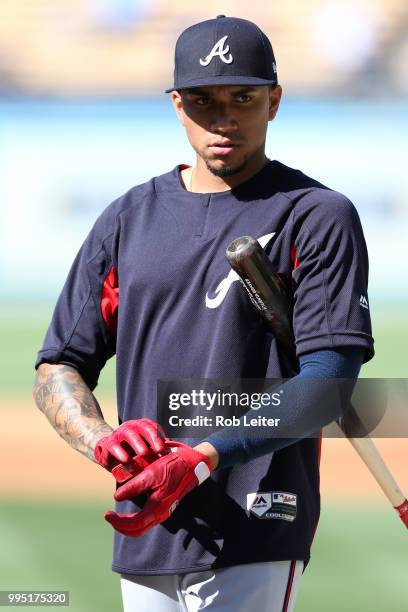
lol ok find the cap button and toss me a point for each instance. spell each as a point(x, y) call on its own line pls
point(220, 16)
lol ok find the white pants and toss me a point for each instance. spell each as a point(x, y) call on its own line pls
point(254, 587)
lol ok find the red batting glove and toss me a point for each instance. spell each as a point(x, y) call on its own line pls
point(402, 510)
point(130, 448)
point(168, 480)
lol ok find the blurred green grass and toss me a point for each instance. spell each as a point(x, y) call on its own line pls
point(359, 562)
point(359, 557)
point(59, 547)
point(22, 331)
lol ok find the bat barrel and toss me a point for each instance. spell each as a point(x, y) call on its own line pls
point(265, 288)
point(241, 247)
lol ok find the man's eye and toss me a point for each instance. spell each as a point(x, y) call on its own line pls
point(202, 101)
point(243, 98)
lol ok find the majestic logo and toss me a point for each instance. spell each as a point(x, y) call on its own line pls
point(222, 289)
point(220, 50)
point(363, 302)
point(258, 503)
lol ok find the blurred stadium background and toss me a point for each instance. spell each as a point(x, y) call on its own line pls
point(83, 117)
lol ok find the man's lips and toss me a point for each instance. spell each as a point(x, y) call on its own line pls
point(223, 148)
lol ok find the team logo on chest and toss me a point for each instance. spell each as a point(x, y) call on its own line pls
point(220, 50)
point(223, 288)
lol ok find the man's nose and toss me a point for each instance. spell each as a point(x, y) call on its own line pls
point(223, 119)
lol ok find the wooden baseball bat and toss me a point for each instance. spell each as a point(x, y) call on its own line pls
point(270, 297)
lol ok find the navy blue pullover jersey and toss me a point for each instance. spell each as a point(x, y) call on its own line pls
point(152, 285)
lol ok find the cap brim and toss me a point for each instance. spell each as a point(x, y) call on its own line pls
point(223, 80)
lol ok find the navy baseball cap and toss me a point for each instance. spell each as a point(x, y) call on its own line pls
point(223, 51)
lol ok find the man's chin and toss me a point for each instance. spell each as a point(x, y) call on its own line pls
point(224, 169)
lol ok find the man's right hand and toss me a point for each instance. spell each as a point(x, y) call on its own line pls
point(130, 448)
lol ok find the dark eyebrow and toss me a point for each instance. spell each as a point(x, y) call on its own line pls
point(244, 90)
point(196, 91)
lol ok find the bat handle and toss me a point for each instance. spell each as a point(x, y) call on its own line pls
point(369, 453)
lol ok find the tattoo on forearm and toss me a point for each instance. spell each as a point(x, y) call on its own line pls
point(62, 395)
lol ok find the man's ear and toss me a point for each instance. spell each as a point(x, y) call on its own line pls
point(178, 105)
point(275, 95)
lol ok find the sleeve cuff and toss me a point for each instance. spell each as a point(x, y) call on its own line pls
point(70, 359)
point(336, 340)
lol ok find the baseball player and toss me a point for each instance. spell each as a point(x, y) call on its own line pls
point(222, 523)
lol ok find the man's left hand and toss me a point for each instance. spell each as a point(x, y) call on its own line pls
point(167, 480)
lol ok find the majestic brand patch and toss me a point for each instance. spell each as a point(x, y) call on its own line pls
point(364, 302)
point(273, 505)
